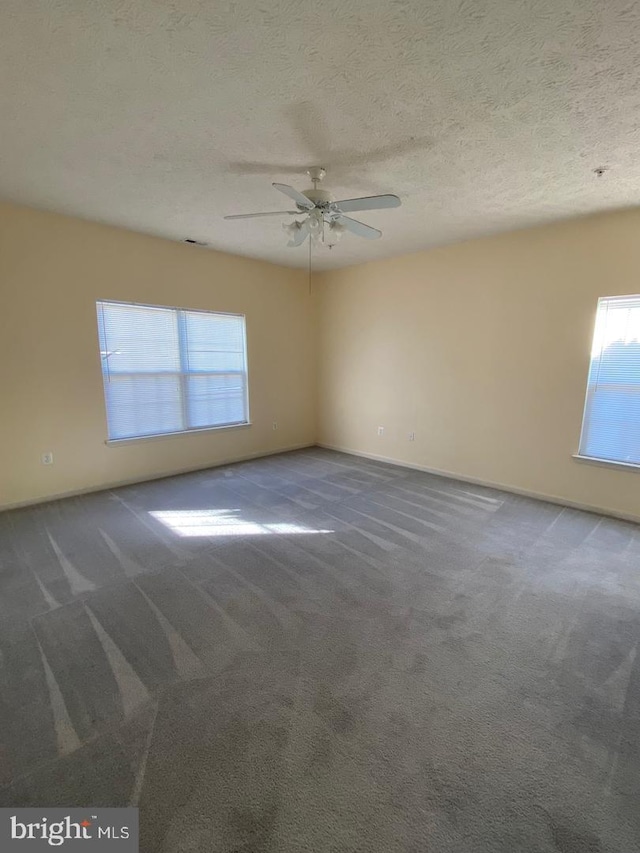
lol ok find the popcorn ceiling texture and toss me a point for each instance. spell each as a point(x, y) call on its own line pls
point(483, 115)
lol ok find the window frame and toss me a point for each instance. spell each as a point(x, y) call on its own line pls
point(181, 375)
point(579, 455)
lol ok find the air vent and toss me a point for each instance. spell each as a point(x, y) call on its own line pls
point(195, 242)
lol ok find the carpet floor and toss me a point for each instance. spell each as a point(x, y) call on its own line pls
point(314, 652)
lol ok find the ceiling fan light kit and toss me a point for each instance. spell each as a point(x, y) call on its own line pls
point(324, 220)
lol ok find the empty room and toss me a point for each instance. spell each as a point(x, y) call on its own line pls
point(320, 421)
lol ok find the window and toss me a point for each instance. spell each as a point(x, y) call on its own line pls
point(166, 370)
point(611, 426)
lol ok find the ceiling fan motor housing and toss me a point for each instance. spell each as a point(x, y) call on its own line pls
point(319, 197)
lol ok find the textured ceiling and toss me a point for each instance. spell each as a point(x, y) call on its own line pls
point(483, 115)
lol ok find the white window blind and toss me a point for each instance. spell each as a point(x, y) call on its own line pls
point(166, 370)
point(611, 426)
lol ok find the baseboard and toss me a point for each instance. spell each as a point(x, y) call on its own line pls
point(554, 499)
point(132, 482)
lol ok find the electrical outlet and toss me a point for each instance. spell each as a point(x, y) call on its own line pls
point(47, 458)
point(412, 436)
point(380, 430)
point(274, 425)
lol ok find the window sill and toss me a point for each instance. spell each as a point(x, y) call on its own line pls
point(159, 436)
point(607, 463)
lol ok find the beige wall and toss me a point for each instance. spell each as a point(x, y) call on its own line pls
point(482, 350)
point(52, 270)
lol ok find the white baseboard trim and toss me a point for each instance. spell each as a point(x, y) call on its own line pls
point(540, 496)
point(132, 482)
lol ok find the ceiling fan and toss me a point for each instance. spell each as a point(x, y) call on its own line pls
point(324, 219)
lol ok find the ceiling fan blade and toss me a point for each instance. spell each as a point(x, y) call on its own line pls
point(359, 228)
point(271, 213)
point(300, 199)
point(372, 202)
point(300, 235)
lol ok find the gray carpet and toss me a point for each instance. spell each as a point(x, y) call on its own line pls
point(313, 652)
